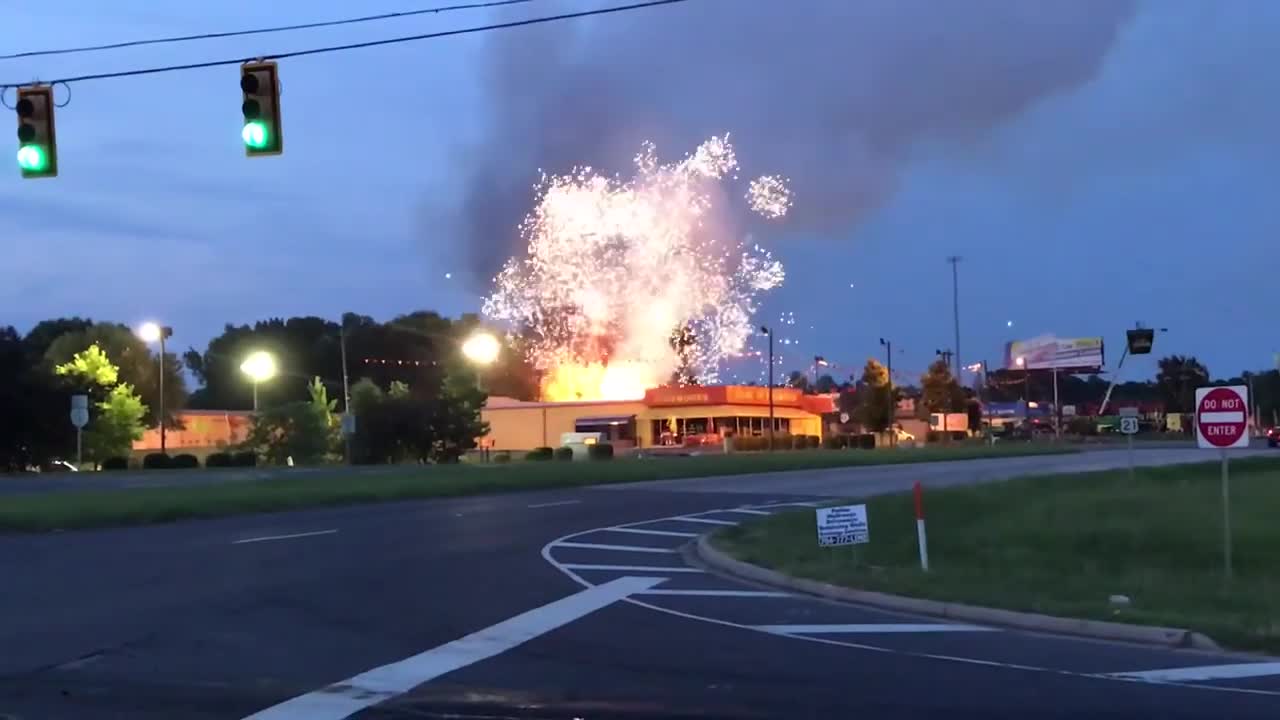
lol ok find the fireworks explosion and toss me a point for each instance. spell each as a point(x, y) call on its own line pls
point(629, 284)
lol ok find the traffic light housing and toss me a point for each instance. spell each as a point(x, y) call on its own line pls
point(260, 83)
point(37, 142)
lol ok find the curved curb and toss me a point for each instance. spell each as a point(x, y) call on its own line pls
point(704, 553)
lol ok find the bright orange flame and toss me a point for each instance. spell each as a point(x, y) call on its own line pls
point(597, 381)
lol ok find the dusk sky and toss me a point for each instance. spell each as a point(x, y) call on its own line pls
point(1095, 163)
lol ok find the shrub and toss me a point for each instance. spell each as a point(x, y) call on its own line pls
point(115, 463)
point(218, 460)
point(156, 461)
point(1082, 426)
point(245, 458)
point(813, 441)
point(745, 443)
point(833, 442)
point(502, 457)
point(933, 436)
point(564, 453)
point(185, 461)
point(799, 442)
point(539, 454)
point(600, 451)
point(865, 441)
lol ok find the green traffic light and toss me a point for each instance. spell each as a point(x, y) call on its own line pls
point(255, 135)
point(33, 158)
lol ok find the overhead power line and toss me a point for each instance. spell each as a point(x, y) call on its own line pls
point(355, 46)
point(261, 31)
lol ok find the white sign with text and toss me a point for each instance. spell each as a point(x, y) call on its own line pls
point(843, 525)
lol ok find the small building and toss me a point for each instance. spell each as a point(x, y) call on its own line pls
point(202, 432)
point(682, 415)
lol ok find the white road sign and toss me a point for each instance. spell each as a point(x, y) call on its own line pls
point(1222, 417)
point(1129, 425)
point(843, 525)
point(80, 410)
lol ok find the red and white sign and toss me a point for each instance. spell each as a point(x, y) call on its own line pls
point(1222, 417)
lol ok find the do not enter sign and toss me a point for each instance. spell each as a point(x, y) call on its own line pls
point(1222, 417)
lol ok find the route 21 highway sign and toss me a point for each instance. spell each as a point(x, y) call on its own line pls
point(1222, 416)
point(843, 525)
point(1129, 425)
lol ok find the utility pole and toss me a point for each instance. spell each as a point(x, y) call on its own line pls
point(765, 329)
point(955, 304)
point(893, 406)
point(346, 391)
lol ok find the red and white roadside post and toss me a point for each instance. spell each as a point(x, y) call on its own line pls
point(1222, 422)
point(921, 538)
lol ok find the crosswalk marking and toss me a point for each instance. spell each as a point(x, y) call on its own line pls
point(628, 548)
point(869, 628)
point(641, 531)
point(1204, 672)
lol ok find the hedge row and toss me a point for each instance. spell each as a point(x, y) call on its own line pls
point(184, 461)
point(781, 441)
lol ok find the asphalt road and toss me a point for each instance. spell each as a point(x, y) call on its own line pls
point(537, 605)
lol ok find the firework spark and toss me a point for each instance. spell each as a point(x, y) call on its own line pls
point(627, 283)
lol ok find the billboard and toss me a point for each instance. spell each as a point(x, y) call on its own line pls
point(1048, 352)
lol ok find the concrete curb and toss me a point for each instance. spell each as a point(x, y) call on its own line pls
point(703, 552)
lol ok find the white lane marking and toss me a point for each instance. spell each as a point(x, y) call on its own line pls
point(633, 568)
point(546, 555)
point(269, 538)
point(341, 699)
point(554, 504)
point(786, 504)
point(642, 531)
point(747, 511)
point(869, 628)
point(717, 593)
point(629, 548)
point(709, 521)
point(1204, 672)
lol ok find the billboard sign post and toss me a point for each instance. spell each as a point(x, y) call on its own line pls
point(1222, 419)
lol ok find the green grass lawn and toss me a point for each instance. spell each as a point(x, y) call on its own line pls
point(1062, 545)
point(79, 509)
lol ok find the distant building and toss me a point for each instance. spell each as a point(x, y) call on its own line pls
point(202, 430)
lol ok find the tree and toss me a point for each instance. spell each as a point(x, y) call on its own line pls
point(1177, 380)
point(826, 384)
point(118, 422)
point(875, 409)
point(117, 426)
point(303, 432)
point(409, 424)
point(798, 380)
point(941, 392)
point(134, 362)
point(33, 425)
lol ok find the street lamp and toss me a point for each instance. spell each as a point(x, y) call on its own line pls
point(768, 331)
point(151, 332)
point(888, 356)
point(260, 366)
point(481, 349)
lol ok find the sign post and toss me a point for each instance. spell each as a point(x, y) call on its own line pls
point(1129, 426)
point(79, 418)
point(1222, 419)
point(843, 525)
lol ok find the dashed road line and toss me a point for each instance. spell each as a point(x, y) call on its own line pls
point(624, 548)
point(269, 538)
point(558, 503)
point(343, 699)
point(633, 568)
point(708, 521)
point(642, 531)
point(869, 628)
point(1204, 672)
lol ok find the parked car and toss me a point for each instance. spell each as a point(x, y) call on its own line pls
point(1273, 436)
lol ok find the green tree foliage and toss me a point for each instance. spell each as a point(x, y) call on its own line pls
point(1177, 379)
point(303, 431)
point(407, 425)
point(875, 407)
point(826, 384)
point(134, 360)
point(366, 395)
point(91, 367)
point(33, 411)
point(941, 392)
point(117, 424)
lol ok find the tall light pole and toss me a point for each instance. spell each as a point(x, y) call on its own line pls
point(260, 366)
point(153, 332)
point(888, 356)
point(955, 303)
point(767, 331)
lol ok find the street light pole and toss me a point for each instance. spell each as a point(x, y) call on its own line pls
point(153, 332)
point(888, 356)
point(764, 329)
point(955, 303)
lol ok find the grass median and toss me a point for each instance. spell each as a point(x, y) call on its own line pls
point(1062, 545)
point(96, 508)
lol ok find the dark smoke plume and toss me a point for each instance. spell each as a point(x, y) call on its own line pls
point(831, 93)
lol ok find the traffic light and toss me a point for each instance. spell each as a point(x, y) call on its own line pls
point(262, 132)
point(37, 145)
